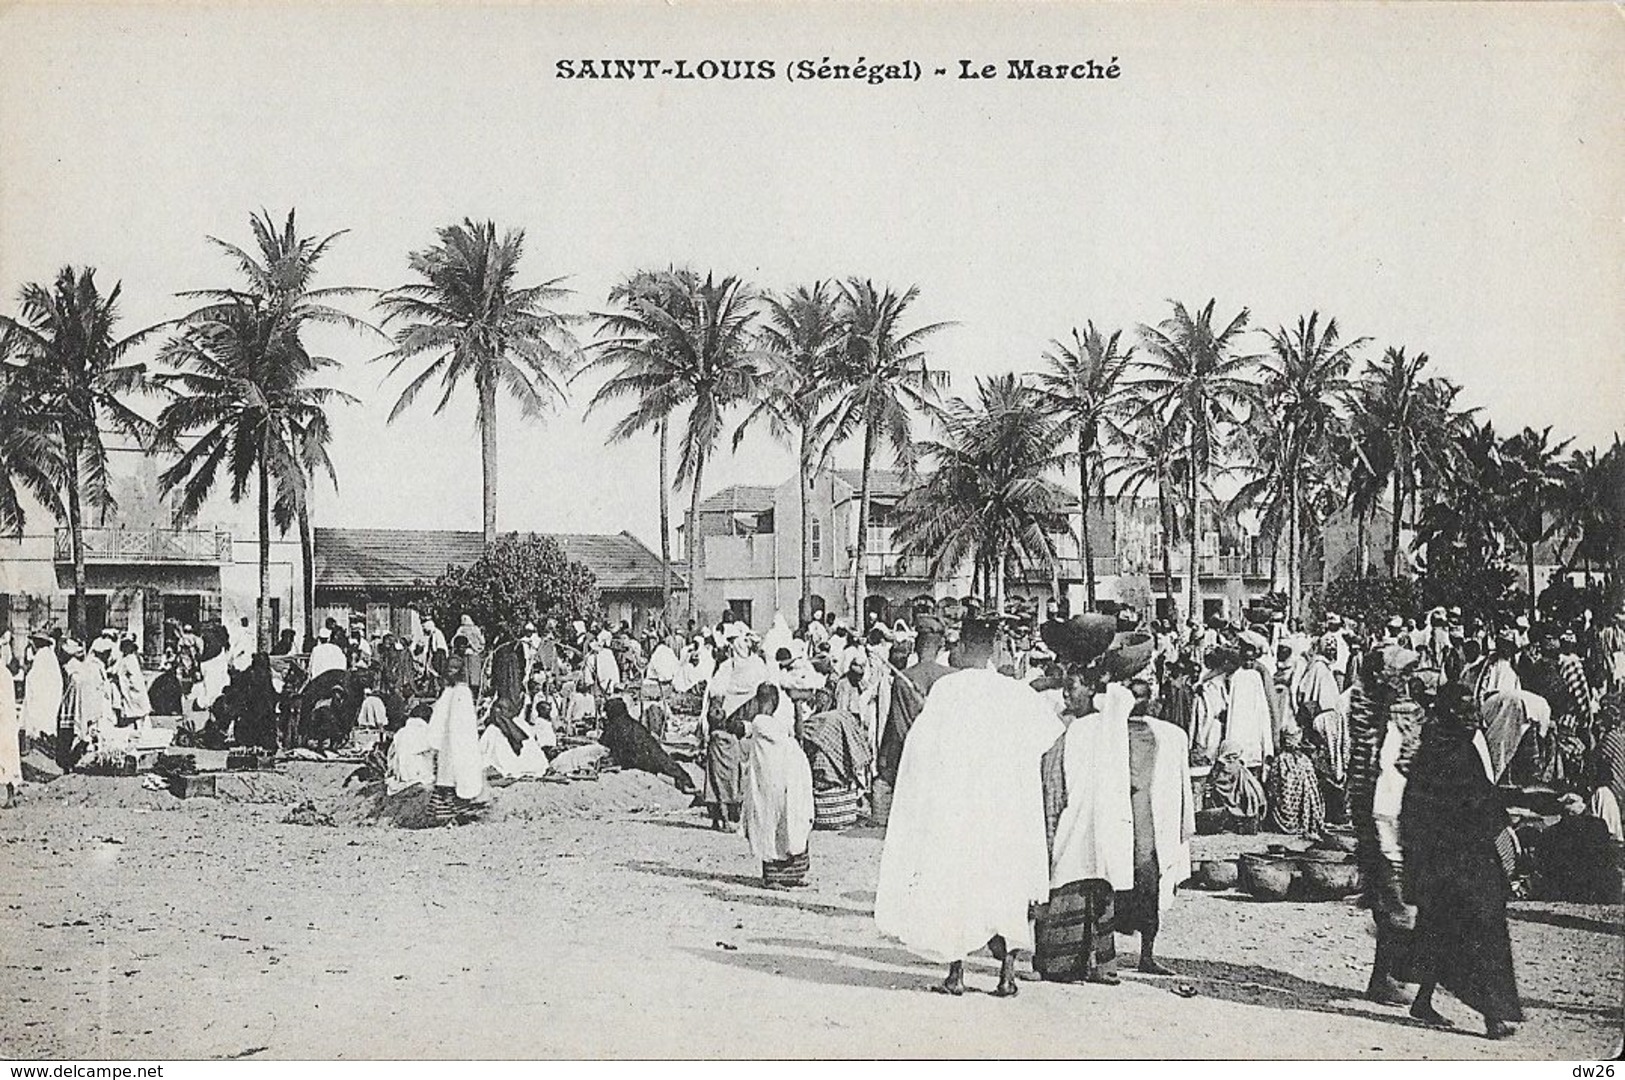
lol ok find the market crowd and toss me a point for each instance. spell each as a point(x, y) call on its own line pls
point(1040, 782)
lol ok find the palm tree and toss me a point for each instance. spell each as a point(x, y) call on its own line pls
point(1204, 389)
point(1083, 385)
point(881, 376)
point(1151, 453)
point(989, 497)
point(682, 340)
point(30, 455)
point(79, 380)
point(279, 275)
point(240, 385)
point(1534, 490)
point(1405, 430)
point(801, 335)
point(657, 398)
point(472, 320)
point(1590, 507)
point(1305, 377)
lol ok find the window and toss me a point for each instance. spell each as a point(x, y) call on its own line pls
point(739, 611)
point(1212, 608)
point(815, 540)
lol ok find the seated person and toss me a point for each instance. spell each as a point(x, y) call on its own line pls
point(1235, 799)
point(1576, 860)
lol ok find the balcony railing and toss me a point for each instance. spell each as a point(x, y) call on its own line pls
point(147, 545)
point(889, 564)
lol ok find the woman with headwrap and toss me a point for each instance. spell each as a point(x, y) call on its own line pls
point(1293, 789)
point(778, 792)
point(11, 766)
point(1233, 789)
point(1451, 817)
point(42, 691)
point(1317, 707)
point(632, 746)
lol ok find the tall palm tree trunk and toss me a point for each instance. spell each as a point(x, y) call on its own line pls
point(1194, 571)
point(262, 612)
point(76, 540)
point(1292, 545)
point(1359, 540)
point(488, 455)
point(1393, 525)
point(307, 567)
point(807, 480)
point(1529, 562)
point(1083, 512)
point(1167, 547)
point(998, 583)
point(860, 590)
point(694, 538)
point(665, 527)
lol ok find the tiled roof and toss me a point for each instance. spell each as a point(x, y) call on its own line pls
point(739, 498)
point(398, 558)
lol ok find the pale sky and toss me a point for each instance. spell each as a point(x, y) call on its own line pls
point(1443, 178)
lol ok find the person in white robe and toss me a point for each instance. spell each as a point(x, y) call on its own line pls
point(1209, 707)
point(459, 782)
point(778, 792)
point(1497, 674)
point(964, 856)
point(1249, 720)
point(42, 692)
point(1120, 829)
point(778, 636)
point(131, 683)
point(529, 762)
point(326, 656)
point(410, 760)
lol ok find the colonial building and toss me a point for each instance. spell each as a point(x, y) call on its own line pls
point(140, 569)
point(750, 536)
point(382, 574)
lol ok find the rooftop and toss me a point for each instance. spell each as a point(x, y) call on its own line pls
point(739, 498)
point(399, 558)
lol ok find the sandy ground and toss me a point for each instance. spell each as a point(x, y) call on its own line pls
point(604, 920)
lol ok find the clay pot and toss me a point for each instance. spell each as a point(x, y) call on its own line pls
point(1217, 874)
point(1328, 879)
point(1267, 877)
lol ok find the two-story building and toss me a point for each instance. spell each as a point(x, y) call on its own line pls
point(749, 561)
point(140, 569)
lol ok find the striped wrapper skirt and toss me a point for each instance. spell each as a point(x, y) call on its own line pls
point(835, 808)
point(791, 871)
point(1073, 932)
point(445, 807)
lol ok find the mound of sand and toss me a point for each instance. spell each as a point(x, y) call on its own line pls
point(620, 792)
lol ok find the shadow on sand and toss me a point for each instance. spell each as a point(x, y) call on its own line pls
point(712, 884)
point(1566, 921)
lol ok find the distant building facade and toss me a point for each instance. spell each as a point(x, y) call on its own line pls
point(382, 574)
point(141, 570)
point(750, 556)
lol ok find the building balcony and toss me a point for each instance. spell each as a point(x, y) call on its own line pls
point(890, 564)
point(211, 547)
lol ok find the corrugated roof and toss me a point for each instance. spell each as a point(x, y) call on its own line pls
point(398, 558)
point(735, 498)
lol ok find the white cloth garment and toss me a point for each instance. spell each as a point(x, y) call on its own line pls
point(131, 682)
point(965, 851)
point(1606, 807)
point(778, 794)
point(1094, 840)
point(411, 759)
point(777, 637)
point(42, 694)
point(1207, 721)
point(1173, 808)
point(325, 657)
point(454, 735)
point(1248, 725)
point(496, 752)
point(663, 665)
point(215, 674)
point(606, 672)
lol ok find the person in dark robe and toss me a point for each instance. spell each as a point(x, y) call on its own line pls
point(1179, 693)
point(907, 701)
point(165, 693)
point(632, 747)
point(838, 752)
point(1451, 816)
point(724, 765)
point(252, 698)
point(1293, 789)
point(328, 707)
point(1575, 860)
point(394, 666)
point(1383, 717)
